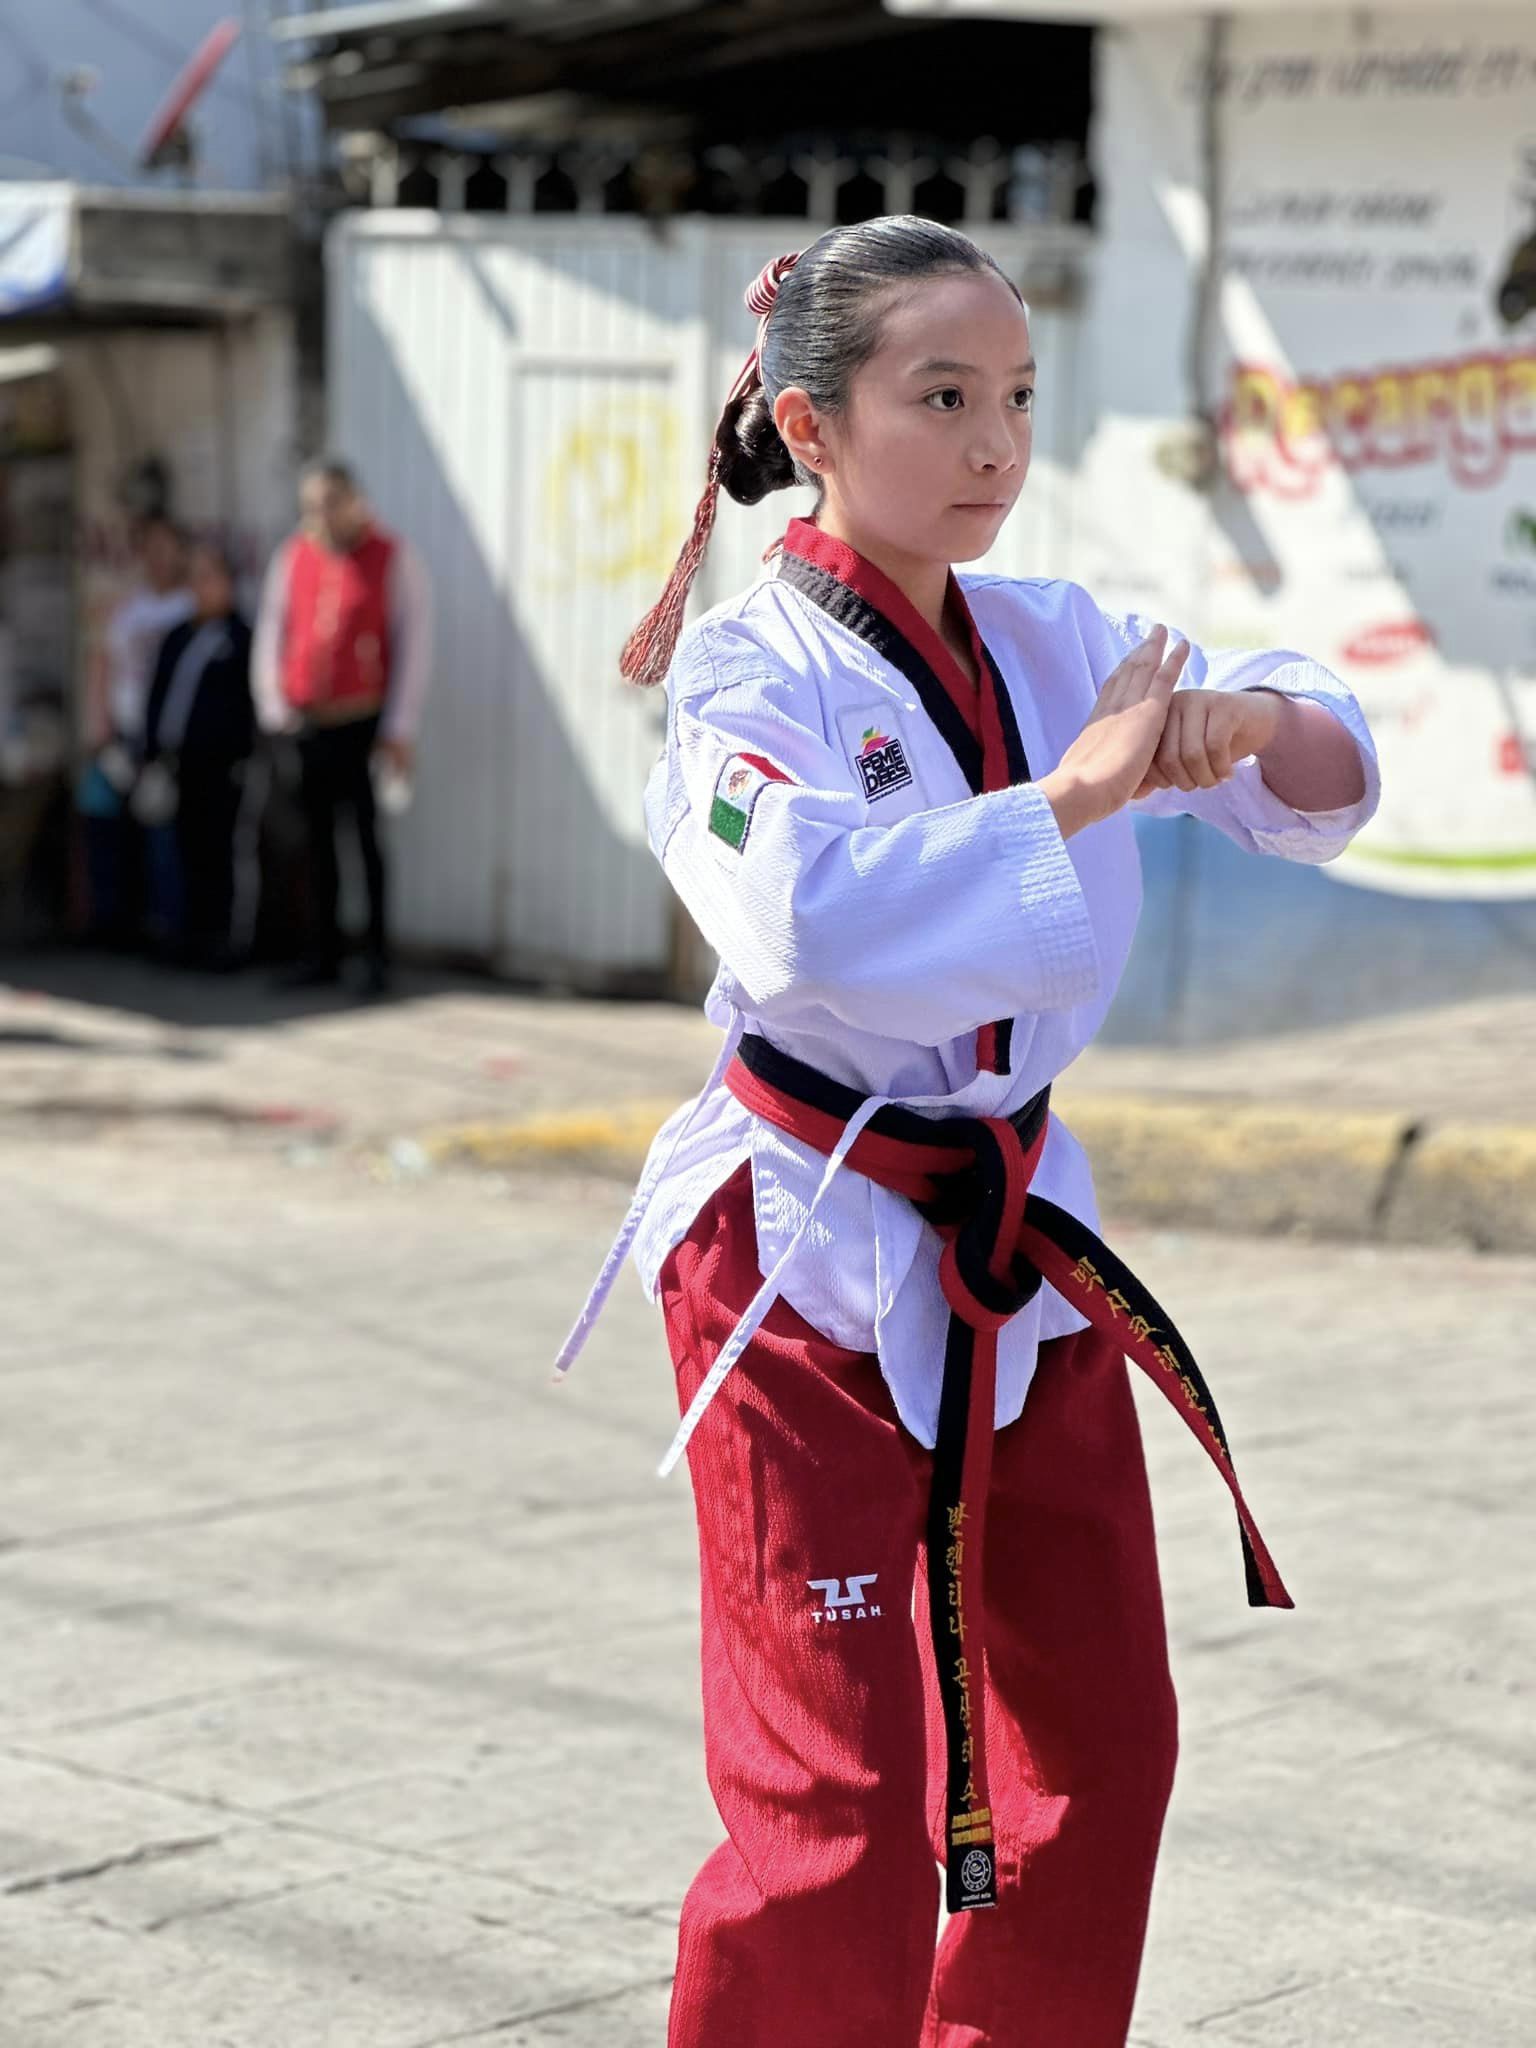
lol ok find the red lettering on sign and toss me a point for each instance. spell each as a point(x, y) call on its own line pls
point(1466, 414)
point(1393, 641)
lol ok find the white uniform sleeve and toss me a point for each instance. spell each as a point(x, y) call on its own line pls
point(921, 931)
point(273, 712)
point(1246, 808)
point(410, 637)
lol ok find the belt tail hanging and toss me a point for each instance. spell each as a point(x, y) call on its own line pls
point(1081, 1267)
point(962, 1464)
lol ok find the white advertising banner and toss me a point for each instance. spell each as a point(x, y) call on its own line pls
point(34, 247)
point(1375, 380)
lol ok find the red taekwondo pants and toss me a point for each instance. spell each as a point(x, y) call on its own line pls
point(814, 1924)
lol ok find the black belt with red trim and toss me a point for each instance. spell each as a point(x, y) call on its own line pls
point(970, 1178)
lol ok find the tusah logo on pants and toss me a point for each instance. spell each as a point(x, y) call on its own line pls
point(837, 1605)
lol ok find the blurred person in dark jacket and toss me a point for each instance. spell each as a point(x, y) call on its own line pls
point(199, 731)
point(126, 883)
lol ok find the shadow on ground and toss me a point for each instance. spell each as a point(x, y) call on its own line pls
point(253, 999)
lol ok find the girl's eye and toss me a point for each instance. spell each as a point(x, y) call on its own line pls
point(1024, 398)
point(947, 400)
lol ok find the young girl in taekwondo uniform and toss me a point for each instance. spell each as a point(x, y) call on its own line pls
point(897, 802)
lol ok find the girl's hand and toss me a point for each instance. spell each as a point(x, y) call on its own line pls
point(1111, 758)
point(1206, 733)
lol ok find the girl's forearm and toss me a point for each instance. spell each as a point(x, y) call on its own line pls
point(1312, 763)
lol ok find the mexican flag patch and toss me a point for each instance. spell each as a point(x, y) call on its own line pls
point(741, 782)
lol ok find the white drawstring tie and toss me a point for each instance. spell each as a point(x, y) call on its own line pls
point(766, 1295)
point(639, 1203)
point(734, 1345)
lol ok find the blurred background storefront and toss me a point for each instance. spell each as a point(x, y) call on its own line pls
point(1312, 341)
point(533, 309)
point(146, 367)
point(152, 179)
point(1286, 399)
point(1288, 396)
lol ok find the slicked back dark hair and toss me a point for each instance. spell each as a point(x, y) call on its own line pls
point(824, 324)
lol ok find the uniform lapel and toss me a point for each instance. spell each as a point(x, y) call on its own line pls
point(864, 599)
point(976, 721)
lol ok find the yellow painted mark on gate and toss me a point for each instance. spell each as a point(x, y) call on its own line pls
point(609, 495)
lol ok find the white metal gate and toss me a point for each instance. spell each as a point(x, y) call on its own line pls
point(529, 400)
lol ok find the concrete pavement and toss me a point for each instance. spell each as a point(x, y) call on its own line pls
point(349, 1688)
point(1411, 1129)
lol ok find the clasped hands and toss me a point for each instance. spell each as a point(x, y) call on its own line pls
point(1143, 735)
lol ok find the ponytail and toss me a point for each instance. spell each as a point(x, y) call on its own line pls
point(648, 651)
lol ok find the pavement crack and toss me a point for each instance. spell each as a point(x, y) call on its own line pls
point(73, 1112)
point(1227, 2012)
point(278, 1820)
point(93, 1774)
point(436, 1859)
point(233, 1902)
point(315, 1315)
point(84, 1873)
point(149, 1710)
point(588, 2003)
point(205, 1516)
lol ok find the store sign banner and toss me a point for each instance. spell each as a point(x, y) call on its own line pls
point(34, 248)
point(1375, 383)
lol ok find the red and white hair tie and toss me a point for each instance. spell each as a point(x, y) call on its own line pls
point(764, 288)
point(760, 295)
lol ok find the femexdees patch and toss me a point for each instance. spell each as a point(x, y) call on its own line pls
point(882, 763)
point(739, 785)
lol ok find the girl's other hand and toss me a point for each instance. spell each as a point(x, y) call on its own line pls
point(1109, 761)
point(1206, 733)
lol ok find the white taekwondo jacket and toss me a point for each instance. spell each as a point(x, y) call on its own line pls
point(871, 913)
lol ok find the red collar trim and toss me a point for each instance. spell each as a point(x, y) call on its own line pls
point(851, 569)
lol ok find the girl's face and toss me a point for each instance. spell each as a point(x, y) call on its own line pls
point(932, 448)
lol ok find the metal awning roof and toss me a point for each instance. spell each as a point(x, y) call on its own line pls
point(80, 252)
point(418, 59)
point(1130, 10)
point(546, 19)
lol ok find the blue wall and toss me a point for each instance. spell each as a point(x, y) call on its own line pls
point(1232, 945)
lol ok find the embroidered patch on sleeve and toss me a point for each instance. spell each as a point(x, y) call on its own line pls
point(741, 782)
point(882, 763)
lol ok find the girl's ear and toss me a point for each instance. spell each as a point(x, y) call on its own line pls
point(800, 427)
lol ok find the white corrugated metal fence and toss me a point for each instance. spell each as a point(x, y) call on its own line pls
point(530, 400)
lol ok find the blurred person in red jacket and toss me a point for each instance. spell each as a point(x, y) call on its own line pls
point(342, 661)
